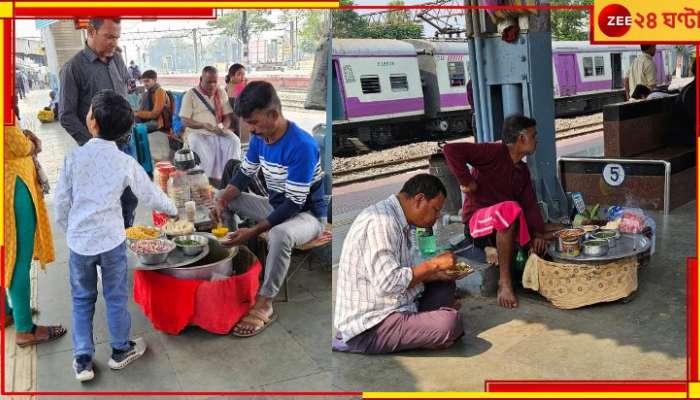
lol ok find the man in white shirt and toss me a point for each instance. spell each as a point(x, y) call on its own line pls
point(385, 302)
point(87, 206)
point(206, 113)
point(642, 71)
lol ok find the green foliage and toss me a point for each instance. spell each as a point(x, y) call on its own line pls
point(312, 26)
point(348, 24)
point(395, 31)
point(256, 21)
point(570, 24)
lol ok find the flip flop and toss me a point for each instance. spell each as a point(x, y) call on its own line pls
point(257, 320)
point(55, 332)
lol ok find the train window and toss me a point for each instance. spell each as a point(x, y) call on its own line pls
point(587, 66)
point(599, 66)
point(399, 82)
point(455, 70)
point(370, 84)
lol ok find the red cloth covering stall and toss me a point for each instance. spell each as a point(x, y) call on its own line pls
point(171, 304)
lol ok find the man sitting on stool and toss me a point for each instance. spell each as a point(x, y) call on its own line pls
point(291, 163)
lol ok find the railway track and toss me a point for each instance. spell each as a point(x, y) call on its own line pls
point(394, 167)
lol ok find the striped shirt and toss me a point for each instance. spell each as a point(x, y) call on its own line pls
point(375, 270)
point(292, 170)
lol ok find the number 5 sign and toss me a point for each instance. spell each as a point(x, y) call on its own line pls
point(614, 174)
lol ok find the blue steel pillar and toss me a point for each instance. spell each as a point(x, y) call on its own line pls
point(514, 78)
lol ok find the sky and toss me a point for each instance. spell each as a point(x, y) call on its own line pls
point(25, 28)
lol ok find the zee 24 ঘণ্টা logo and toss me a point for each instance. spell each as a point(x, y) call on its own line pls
point(614, 20)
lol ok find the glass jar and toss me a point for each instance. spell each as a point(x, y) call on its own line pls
point(199, 185)
point(179, 189)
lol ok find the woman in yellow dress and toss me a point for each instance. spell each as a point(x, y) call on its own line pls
point(27, 234)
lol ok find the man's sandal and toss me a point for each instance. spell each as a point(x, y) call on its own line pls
point(256, 319)
point(55, 332)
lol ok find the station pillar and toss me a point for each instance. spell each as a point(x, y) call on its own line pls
point(514, 76)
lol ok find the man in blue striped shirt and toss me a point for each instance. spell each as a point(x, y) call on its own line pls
point(291, 163)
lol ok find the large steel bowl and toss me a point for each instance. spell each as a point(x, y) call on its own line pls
point(154, 258)
point(219, 260)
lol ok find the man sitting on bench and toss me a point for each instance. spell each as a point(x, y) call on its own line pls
point(291, 163)
point(155, 108)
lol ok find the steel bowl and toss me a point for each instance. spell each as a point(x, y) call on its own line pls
point(608, 234)
point(219, 260)
point(154, 258)
point(191, 249)
point(595, 247)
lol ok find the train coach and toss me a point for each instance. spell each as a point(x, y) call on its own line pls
point(387, 92)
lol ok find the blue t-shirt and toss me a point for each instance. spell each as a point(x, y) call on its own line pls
point(292, 170)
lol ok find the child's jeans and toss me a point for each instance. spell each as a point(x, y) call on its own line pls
point(83, 282)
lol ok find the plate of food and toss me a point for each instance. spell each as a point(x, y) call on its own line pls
point(460, 268)
point(178, 228)
point(143, 232)
point(152, 251)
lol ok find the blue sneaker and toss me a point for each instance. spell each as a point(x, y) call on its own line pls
point(82, 365)
point(121, 358)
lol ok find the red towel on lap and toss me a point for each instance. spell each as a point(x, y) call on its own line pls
point(171, 304)
point(499, 217)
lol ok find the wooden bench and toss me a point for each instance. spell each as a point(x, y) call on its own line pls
point(306, 252)
point(653, 174)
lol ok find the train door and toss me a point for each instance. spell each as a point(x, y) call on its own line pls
point(338, 100)
point(660, 70)
point(566, 68)
point(616, 65)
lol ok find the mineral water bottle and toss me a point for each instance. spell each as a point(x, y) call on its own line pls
point(520, 260)
point(427, 242)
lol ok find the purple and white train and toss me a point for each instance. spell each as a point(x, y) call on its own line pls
point(390, 91)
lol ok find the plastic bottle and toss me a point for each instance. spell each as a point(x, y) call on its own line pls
point(427, 242)
point(520, 260)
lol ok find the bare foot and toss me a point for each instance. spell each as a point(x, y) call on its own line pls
point(506, 297)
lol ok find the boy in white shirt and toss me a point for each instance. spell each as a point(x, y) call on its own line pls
point(88, 208)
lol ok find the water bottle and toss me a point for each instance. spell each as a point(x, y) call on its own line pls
point(427, 242)
point(520, 260)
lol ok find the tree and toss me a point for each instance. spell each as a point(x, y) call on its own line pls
point(396, 25)
point(312, 26)
point(256, 21)
point(570, 24)
point(242, 25)
point(348, 24)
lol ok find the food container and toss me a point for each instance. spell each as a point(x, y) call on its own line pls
point(219, 260)
point(184, 159)
point(162, 174)
point(590, 229)
point(220, 232)
point(190, 210)
point(179, 189)
point(571, 247)
point(191, 245)
point(610, 235)
point(150, 257)
point(568, 235)
point(595, 247)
